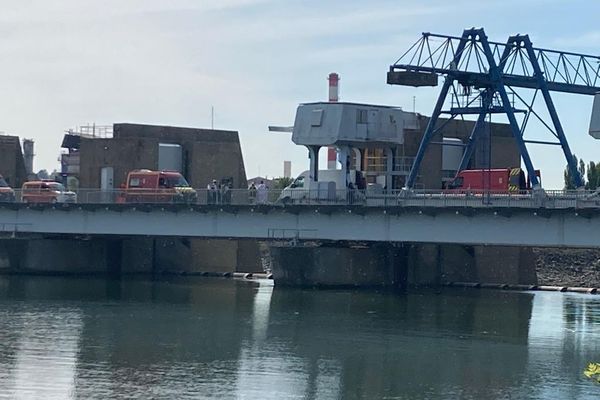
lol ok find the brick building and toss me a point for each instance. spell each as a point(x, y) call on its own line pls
point(201, 156)
point(12, 164)
point(205, 154)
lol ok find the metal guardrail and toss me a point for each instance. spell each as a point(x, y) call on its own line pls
point(551, 199)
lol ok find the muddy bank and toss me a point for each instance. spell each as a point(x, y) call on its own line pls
point(568, 267)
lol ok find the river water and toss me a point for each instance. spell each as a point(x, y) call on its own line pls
point(88, 338)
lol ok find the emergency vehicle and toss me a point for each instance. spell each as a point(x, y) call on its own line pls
point(147, 186)
point(501, 180)
point(46, 191)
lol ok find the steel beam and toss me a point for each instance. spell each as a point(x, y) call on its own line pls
point(496, 75)
point(518, 40)
point(487, 100)
point(430, 130)
point(482, 80)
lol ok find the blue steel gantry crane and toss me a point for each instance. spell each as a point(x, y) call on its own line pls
point(493, 71)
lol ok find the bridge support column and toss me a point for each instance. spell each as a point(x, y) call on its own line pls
point(377, 265)
point(313, 155)
point(390, 155)
point(345, 161)
point(432, 264)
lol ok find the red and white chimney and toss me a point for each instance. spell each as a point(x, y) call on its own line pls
point(334, 92)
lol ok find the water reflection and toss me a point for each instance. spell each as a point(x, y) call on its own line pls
point(38, 341)
point(92, 338)
point(420, 346)
point(564, 337)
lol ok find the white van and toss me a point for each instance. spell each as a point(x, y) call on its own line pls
point(331, 186)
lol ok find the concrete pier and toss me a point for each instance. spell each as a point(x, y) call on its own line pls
point(341, 264)
point(366, 266)
point(124, 256)
point(400, 265)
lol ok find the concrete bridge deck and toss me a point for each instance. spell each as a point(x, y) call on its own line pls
point(420, 222)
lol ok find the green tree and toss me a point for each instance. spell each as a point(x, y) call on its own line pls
point(593, 176)
point(569, 179)
point(282, 183)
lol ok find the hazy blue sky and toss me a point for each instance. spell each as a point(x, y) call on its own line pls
point(69, 62)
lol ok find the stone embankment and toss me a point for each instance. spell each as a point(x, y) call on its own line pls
point(568, 267)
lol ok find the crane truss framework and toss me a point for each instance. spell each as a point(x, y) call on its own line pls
point(493, 69)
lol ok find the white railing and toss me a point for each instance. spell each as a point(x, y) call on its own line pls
point(552, 199)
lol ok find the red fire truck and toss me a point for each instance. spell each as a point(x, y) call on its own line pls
point(146, 186)
point(501, 180)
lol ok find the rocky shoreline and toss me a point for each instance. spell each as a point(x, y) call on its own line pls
point(568, 267)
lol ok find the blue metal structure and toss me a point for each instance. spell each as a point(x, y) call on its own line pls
point(494, 71)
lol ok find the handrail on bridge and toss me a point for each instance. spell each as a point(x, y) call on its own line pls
point(375, 197)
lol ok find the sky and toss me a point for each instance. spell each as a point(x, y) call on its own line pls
point(67, 63)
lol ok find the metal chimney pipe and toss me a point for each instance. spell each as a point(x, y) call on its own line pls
point(333, 87)
point(334, 92)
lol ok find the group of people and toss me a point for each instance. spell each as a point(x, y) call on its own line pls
point(258, 194)
point(218, 193)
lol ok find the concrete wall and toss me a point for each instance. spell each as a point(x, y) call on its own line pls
point(394, 266)
point(432, 264)
point(123, 155)
point(207, 154)
point(218, 161)
point(194, 256)
point(137, 256)
point(128, 256)
point(12, 165)
point(55, 256)
point(378, 265)
point(504, 264)
point(375, 266)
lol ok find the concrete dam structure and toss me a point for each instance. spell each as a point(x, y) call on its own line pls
point(384, 246)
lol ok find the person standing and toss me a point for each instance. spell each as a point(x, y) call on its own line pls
point(351, 193)
point(261, 193)
point(211, 192)
point(225, 193)
point(252, 193)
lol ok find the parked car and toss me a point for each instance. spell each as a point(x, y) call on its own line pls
point(147, 186)
point(46, 191)
point(6, 192)
point(331, 186)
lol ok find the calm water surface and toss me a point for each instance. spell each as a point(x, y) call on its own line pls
point(66, 338)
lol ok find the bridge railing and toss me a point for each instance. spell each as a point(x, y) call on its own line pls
point(369, 198)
